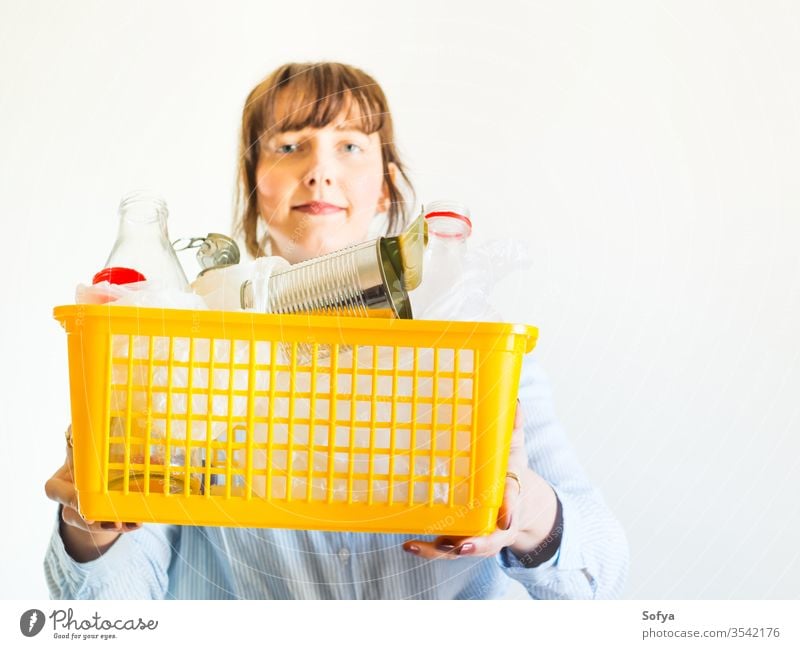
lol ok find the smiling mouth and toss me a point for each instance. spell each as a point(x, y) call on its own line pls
point(318, 208)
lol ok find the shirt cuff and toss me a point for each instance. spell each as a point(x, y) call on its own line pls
point(508, 560)
point(73, 577)
point(70, 573)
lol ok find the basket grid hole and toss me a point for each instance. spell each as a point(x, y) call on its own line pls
point(405, 386)
point(424, 413)
point(364, 411)
point(342, 436)
point(362, 357)
point(364, 384)
point(302, 382)
point(403, 413)
point(466, 360)
point(299, 462)
point(301, 408)
point(465, 388)
point(402, 438)
point(385, 386)
point(241, 351)
point(201, 352)
point(444, 387)
point(385, 358)
point(263, 353)
point(322, 409)
point(344, 385)
point(262, 378)
point(280, 434)
point(405, 359)
point(279, 487)
point(280, 407)
point(425, 359)
point(240, 380)
point(323, 383)
point(300, 434)
point(446, 359)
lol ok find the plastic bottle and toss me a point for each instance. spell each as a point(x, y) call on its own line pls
point(441, 294)
point(143, 243)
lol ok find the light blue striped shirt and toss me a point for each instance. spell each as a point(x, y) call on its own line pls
point(182, 562)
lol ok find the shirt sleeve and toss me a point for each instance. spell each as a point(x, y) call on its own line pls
point(135, 567)
point(592, 559)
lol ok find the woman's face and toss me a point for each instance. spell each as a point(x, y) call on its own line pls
point(319, 188)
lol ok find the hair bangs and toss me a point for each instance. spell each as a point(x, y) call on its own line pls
point(315, 98)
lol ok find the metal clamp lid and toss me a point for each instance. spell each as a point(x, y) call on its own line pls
point(214, 250)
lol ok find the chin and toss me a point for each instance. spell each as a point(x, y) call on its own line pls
point(304, 252)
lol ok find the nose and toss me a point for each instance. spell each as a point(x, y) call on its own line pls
point(320, 171)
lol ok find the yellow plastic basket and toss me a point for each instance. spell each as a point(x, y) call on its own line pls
point(305, 422)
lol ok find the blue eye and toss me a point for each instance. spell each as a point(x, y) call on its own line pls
point(287, 148)
point(352, 148)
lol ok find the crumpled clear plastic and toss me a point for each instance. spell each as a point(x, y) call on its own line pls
point(469, 294)
point(149, 293)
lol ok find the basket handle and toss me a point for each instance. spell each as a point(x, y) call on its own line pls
point(530, 339)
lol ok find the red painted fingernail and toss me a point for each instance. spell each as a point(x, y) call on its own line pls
point(445, 547)
point(467, 548)
point(107, 525)
point(508, 526)
point(413, 549)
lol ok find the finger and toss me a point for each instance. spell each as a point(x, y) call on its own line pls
point(439, 549)
point(69, 446)
point(518, 433)
point(511, 499)
point(113, 526)
point(61, 490)
point(72, 516)
point(131, 527)
point(488, 546)
point(449, 547)
point(61, 473)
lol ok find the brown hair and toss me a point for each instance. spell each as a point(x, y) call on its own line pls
point(317, 93)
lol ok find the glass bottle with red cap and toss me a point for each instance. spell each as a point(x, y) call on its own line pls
point(142, 249)
point(441, 293)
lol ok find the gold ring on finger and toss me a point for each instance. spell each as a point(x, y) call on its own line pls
point(515, 478)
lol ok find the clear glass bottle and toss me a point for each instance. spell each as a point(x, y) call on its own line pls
point(143, 242)
point(143, 246)
point(441, 293)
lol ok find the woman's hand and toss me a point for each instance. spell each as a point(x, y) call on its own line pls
point(524, 522)
point(84, 540)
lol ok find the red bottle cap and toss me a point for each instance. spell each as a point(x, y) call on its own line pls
point(118, 275)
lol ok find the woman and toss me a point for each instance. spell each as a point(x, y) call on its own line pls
point(318, 165)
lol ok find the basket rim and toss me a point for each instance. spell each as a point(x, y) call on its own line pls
point(66, 312)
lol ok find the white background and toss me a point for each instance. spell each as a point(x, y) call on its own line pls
point(646, 152)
